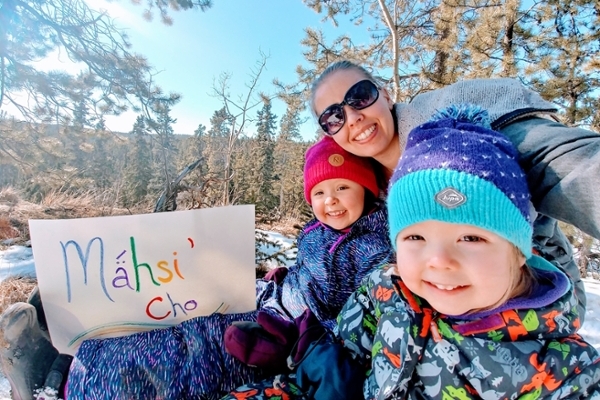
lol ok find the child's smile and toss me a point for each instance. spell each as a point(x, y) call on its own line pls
point(456, 268)
point(338, 202)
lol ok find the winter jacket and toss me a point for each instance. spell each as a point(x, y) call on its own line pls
point(189, 360)
point(329, 266)
point(528, 347)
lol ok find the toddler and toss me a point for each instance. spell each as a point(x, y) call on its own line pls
point(467, 311)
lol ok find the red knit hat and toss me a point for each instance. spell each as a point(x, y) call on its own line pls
point(327, 160)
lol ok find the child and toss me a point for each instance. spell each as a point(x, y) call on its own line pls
point(467, 311)
point(346, 241)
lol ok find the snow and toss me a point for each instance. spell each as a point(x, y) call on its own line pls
point(18, 261)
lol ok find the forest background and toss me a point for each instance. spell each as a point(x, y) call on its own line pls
point(57, 144)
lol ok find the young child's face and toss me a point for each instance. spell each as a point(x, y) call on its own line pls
point(337, 202)
point(456, 268)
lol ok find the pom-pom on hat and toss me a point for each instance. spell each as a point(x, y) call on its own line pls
point(327, 160)
point(456, 169)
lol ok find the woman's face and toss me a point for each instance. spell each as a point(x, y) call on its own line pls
point(368, 132)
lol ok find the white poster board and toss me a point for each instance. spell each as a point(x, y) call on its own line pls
point(112, 276)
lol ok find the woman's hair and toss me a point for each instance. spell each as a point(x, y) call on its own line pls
point(522, 282)
point(343, 65)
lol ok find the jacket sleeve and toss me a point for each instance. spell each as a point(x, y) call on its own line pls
point(554, 246)
point(357, 322)
point(563, 170)
point(377, 252)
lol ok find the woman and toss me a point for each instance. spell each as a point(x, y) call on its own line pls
point(562, 164)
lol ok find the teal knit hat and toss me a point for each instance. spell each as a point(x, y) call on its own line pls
point(456, 169)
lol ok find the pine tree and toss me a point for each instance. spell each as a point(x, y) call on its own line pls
point(165, 149)
point(563, 54)
point(102, 161)
point(138, 171)
point(289, 159)
point(263, 175)
point(215, 155)
point(192, 148)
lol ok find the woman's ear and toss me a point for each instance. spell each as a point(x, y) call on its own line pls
point(387, 97)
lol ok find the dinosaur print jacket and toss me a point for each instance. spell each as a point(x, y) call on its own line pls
point(527, 348)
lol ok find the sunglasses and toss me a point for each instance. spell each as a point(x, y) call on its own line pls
point(361, 95)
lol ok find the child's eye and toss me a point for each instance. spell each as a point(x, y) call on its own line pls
point(472, 238)
point(317, 193)
point(343, 188)
point(414, 237)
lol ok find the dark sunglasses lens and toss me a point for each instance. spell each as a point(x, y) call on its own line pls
point(362, 95)
point(332, 120)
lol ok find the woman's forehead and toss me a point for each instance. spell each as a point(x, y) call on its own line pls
point(334, 86)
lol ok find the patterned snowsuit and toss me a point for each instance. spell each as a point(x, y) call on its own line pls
point(532, 350)
point(189, 360)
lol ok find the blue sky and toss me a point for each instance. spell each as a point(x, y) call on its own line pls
point(199, 46)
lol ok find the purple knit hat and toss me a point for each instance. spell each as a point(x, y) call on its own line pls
point(327, 160)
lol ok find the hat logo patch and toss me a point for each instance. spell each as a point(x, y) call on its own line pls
point(450, 198)
point(336, 160)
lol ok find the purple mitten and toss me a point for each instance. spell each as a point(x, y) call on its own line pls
point(310, 330)
point(265, 343)
point(277, 275)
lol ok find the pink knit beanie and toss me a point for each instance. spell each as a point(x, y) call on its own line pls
point(327, 160)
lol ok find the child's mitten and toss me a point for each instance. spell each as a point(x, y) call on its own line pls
point(265, 343)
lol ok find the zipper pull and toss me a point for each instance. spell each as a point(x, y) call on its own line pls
point(435, 332)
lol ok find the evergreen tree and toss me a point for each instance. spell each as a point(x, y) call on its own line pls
point(138, 171)
point(263, 171)
point(192, 147)
point(102, 161)
point(165, 149)
point(215, 154)
point(244, 166)
point(289, 159)
point(563, 53)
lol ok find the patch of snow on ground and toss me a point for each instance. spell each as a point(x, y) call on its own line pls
point(16, 261)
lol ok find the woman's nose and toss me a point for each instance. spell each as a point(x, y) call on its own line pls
point(353, 116)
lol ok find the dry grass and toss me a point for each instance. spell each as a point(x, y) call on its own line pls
point(9, 196)
point(15, 212)
point(13, 290)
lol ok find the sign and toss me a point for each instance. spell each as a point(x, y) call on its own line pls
point(112, 276)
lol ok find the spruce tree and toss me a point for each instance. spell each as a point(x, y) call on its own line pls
point(138, 171)
point(289, 160)
point(165, 149)
point(264, 173)
point(215, 155)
